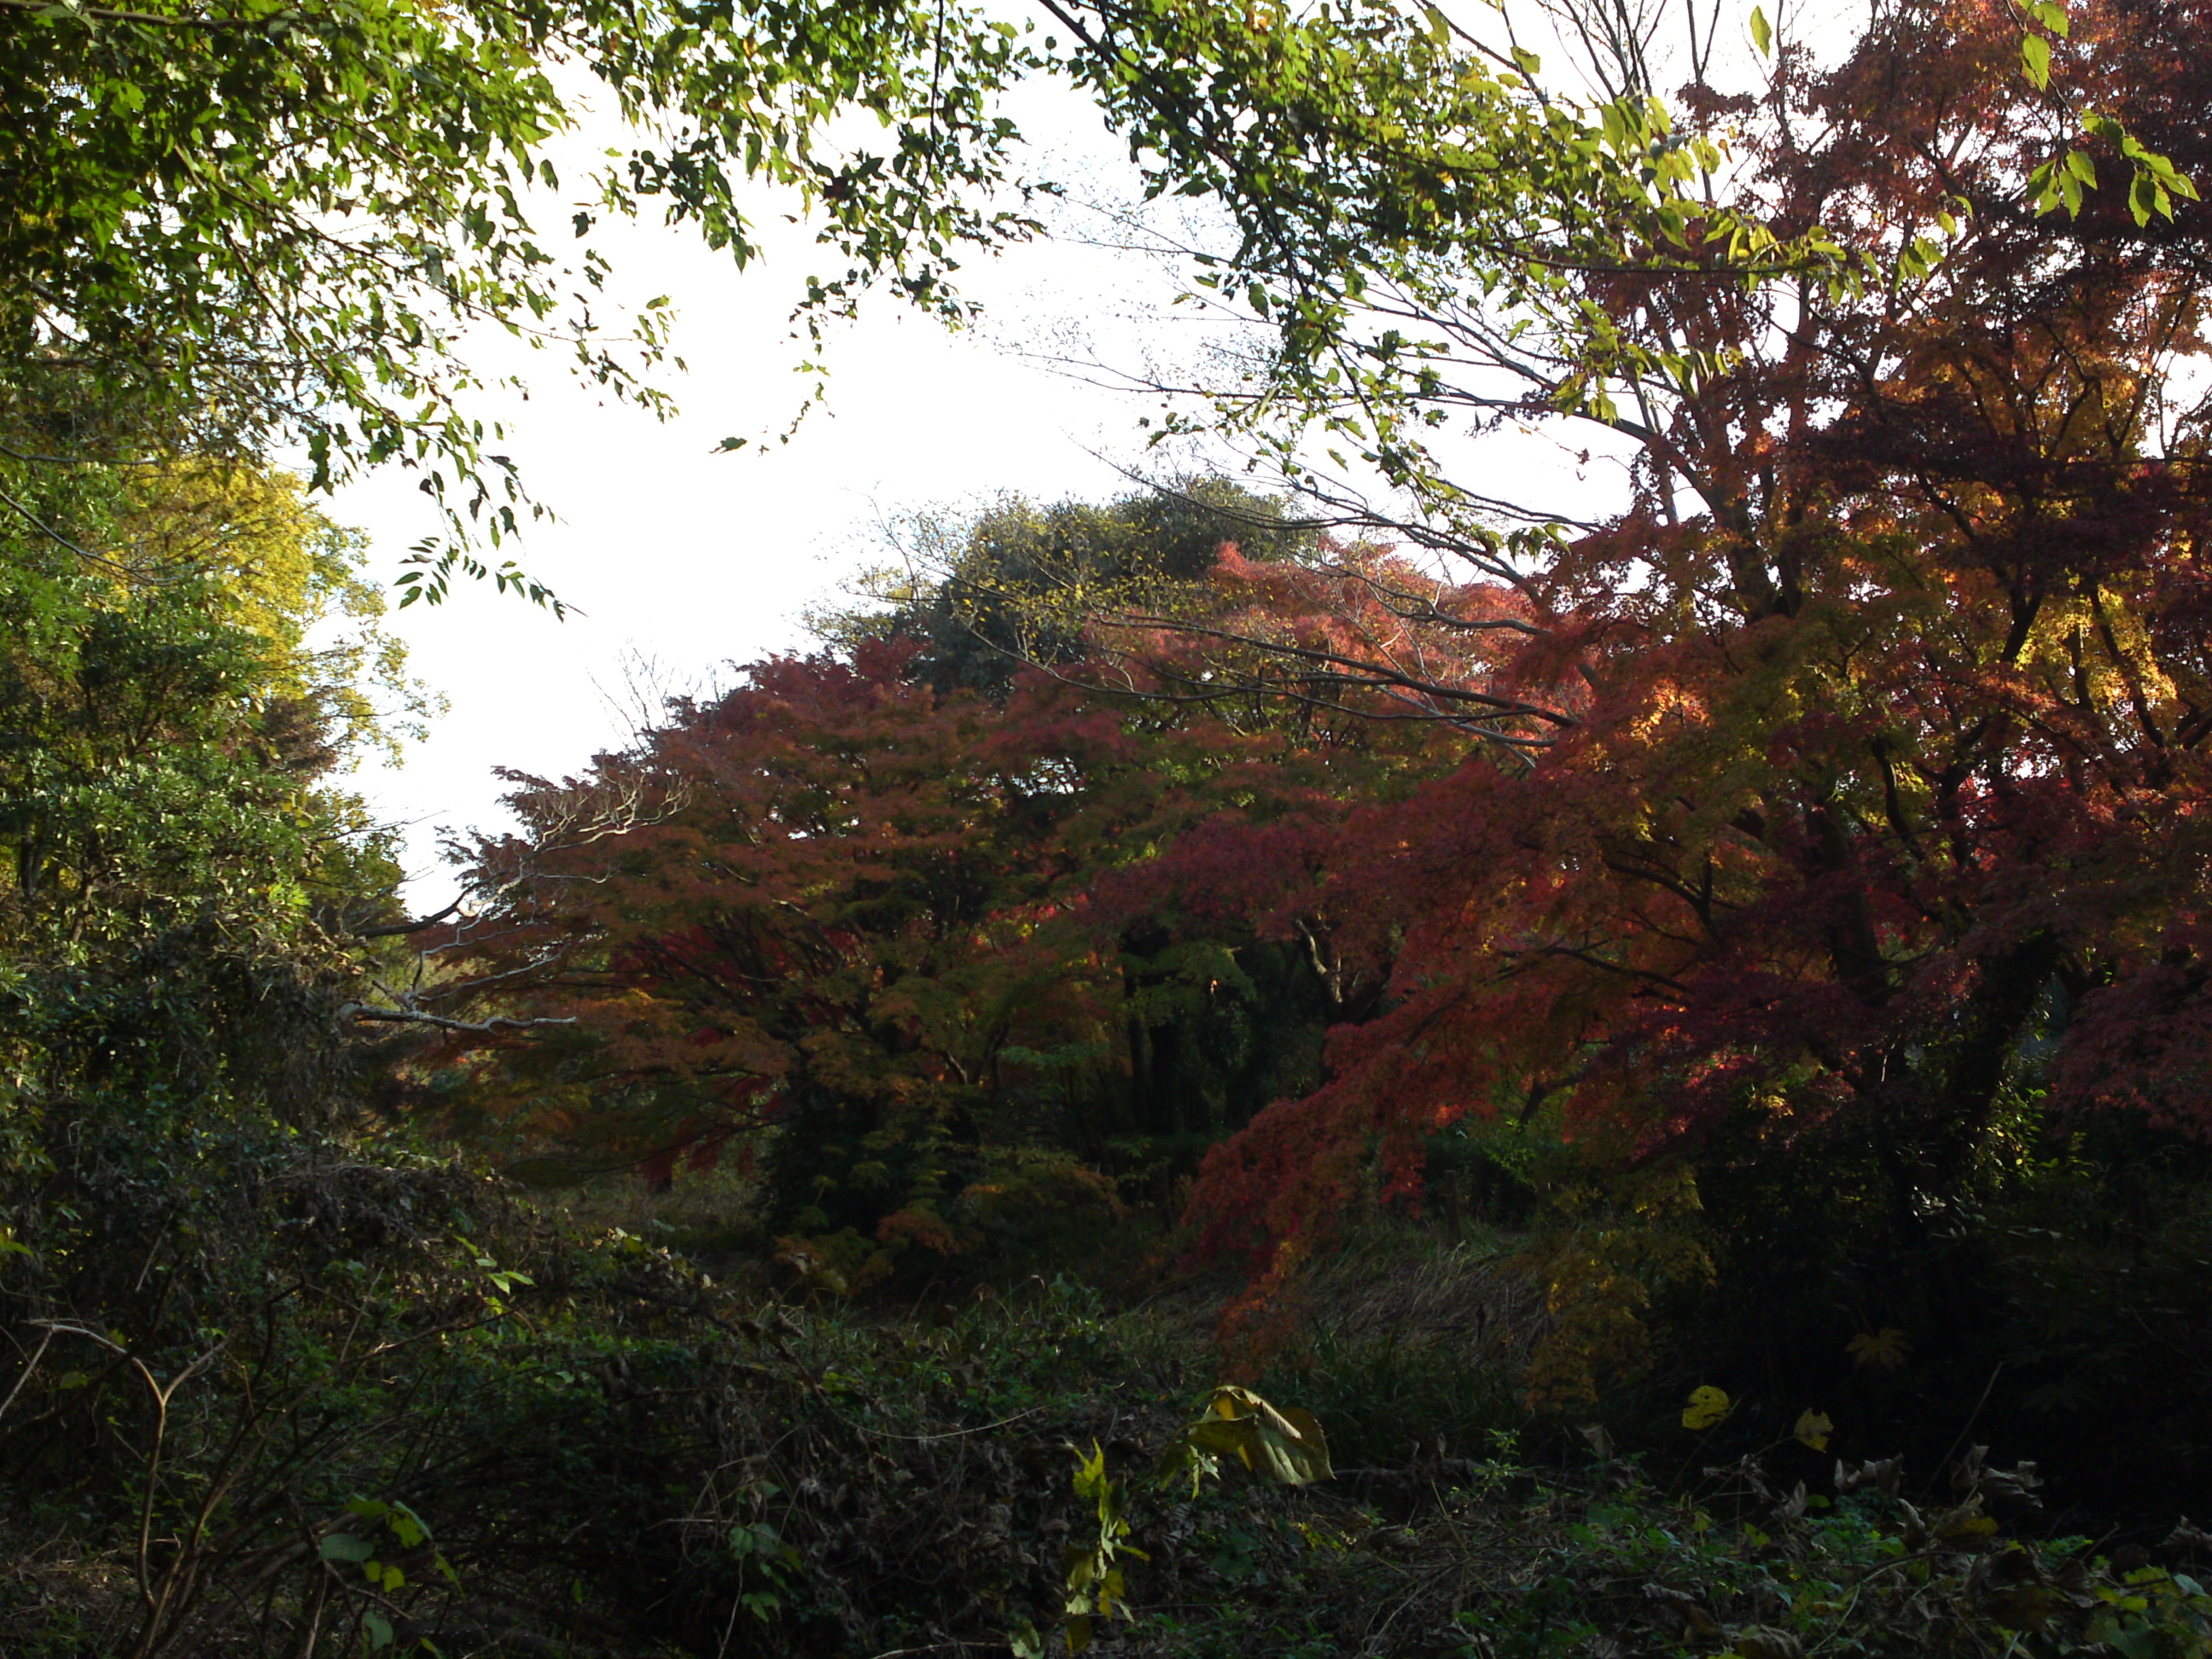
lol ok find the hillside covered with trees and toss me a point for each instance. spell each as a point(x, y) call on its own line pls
point(1396, 1052)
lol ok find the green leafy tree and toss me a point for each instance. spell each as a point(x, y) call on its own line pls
point(233, 225)
point(1016, 584)
point(178, 870)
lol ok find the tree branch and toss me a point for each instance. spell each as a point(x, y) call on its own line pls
point(499, 1026)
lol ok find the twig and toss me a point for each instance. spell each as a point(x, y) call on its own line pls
point(949, 1434)
point(497, 1026)
point(397, 928)
point(1944, 1461)
point(109, 15)
point(29, 1365)
point(64, 1328)
point(47, 530)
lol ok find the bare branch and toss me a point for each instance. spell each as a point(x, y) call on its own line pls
point(399, 928)
point(364, 1013)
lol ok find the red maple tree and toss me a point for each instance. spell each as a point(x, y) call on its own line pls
point(1847, 787)
point(879, 919)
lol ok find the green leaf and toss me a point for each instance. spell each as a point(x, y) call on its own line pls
point(1762, 31)
point(1285, 1445)
point(2035, 60)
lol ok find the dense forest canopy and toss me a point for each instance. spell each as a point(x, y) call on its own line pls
point(1742, 937)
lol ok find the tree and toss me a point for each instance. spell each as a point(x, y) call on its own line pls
point(182, 883)
point(237, 225)
point(823, 902)
point(1016, 584)
point(1838, 821)
point(899, 939)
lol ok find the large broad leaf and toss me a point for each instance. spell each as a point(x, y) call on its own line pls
point(1282, 1443)
point(1708, 1407)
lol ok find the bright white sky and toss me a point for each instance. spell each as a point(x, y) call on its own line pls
point(697, 560)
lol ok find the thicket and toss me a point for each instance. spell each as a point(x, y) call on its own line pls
point(860, 906)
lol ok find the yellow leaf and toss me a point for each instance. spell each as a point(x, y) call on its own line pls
point(1887, 1348)
point(1814, 1428)
point(1708, 1405)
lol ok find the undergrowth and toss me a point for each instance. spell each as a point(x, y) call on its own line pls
point(1511, 1563)
point(284, 1395)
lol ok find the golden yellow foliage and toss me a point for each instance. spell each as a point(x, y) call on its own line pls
point(285, 574)
point(1600, 1274)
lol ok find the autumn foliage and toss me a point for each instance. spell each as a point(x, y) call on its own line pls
point(887, 936)
point(1854, 830)
point(1790, 847)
